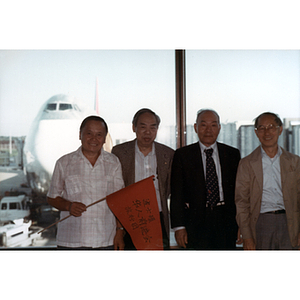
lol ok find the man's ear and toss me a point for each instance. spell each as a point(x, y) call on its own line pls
point(195, 127)
point(133, 128)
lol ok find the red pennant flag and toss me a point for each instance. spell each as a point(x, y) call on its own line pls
point(136, 208)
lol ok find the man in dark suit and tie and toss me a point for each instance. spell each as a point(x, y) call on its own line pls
point(202, 189)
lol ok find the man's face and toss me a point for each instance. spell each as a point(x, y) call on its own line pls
point(268, 131)
point(93, 137)
point(146, 129)
point(207, 128)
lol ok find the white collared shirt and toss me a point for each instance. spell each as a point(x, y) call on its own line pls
point(75, 179)
point(146, 166)
point(272, 198)
point(216, 159)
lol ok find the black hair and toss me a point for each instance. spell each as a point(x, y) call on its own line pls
point(276, 117)
point(142, 111)
point(93, 118)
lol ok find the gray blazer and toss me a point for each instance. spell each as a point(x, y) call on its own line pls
point(249, 188)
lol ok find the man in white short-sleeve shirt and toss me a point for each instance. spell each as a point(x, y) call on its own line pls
point(81, 178)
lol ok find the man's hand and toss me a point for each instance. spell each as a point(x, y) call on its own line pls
point(239, 238)
point(181, 237)
point(77, 208)
point(119, 240)
point(248, 244)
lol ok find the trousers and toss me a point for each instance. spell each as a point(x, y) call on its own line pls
point(272, 232)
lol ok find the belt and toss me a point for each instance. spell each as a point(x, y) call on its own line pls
point(275, 212)
point(218, 204)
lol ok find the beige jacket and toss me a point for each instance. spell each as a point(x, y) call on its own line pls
point(249, 187)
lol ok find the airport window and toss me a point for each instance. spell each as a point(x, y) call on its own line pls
point(240, 85)
point(114, 84)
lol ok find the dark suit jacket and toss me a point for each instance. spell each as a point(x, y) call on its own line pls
point(188, 191)
point(164, 155)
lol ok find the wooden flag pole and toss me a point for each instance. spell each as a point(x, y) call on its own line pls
point(86, 207)
point(96, 202)
point(70, 215)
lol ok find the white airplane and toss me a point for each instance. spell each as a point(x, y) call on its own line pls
point(53, 133)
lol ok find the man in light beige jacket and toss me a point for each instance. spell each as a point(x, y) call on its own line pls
point(267, 192)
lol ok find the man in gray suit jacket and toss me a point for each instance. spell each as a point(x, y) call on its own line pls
point(144, 157)
point(267, 192)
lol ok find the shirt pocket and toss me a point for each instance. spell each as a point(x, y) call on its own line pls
point(73, 184)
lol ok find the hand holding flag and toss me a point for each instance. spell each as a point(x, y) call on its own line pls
point(135, 206)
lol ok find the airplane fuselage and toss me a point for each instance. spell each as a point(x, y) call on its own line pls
point(53, 133)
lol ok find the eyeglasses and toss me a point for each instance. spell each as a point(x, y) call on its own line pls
point(272, 128)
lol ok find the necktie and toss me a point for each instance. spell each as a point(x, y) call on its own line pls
point(212, 185)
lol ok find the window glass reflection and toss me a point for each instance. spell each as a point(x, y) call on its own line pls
point(114, 84)
point(240, 85)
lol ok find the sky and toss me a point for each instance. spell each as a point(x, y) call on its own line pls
point(127, 81)
point(239, 84)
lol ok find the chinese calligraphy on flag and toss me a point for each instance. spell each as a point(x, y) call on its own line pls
point(136, 208)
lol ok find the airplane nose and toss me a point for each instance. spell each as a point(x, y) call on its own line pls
point(53, 139)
